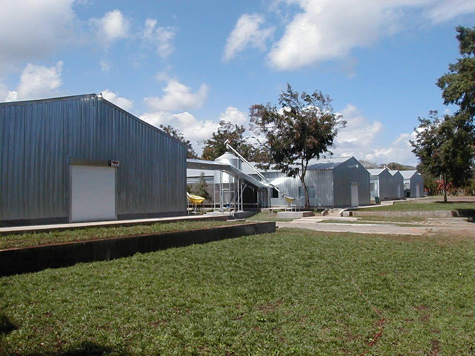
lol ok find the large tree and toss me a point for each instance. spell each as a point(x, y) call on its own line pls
point(302, 127)
point(445, 150)
point(227, 131)
point(175, 133)
point(445, 146)
point(458, 86)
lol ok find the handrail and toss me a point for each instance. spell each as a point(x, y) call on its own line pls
point(260, 175)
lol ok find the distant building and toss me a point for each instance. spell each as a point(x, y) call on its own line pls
point(380, 184)
point(413, 184)
point(82, 158)
point(335, 182)
point(397, 185)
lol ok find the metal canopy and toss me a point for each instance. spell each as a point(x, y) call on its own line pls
point(229, 169)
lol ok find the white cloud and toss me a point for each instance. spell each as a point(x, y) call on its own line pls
point(31, 29)
point(400, 151)
point(121, 102)
point(232, 114)
point(359, 131)
point(247, 32)
point(443, 11)
point(326, 29)
point(359, 139)
point(193, 129)
point(157, 118)
point(113, 26)
point(105, 65)
point(330, 29)
point(37, 81)
point(177, 97)
point(160, 37)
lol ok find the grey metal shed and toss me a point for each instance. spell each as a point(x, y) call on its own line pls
point(413, 183)
point(82, 158)
point(397, 185)
point(334, 182)
point(380, 184)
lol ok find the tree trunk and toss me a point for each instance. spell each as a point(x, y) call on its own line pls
point(307, 199)
point(444, 177)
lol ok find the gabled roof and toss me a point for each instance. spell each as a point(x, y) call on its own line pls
point(377, 171)
point(313, 164)
point(394, 172)
point(327, 163)
point(408, 174)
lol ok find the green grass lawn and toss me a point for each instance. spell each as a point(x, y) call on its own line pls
point(41, 238)
point(424, 206)
point(293, 292)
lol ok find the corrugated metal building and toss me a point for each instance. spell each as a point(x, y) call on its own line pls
point(335, 182)
point(413, 183)
point(227, 184)
point(397, 185)
point(380, 184)
point(82, 158)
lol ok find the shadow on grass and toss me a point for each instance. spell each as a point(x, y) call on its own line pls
point(84, 349)
point(6, 326)
point(465, 213)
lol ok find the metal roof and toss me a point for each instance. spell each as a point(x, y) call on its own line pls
point(408, 174)
point(376, 172)
point(231, 170)
point(323, 163)
point(327, 163)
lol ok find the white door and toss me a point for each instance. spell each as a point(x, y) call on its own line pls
point(92, 193)
point(398, 191)
point(354, 194)
point(417, 191)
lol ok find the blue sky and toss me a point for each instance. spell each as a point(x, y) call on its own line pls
point(190, 64)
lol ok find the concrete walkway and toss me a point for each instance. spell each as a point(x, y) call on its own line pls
point(82, 225)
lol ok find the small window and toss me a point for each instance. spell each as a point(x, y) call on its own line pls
point(275, 193)
point(311, 192)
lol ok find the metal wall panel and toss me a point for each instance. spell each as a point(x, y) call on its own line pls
point(351, 171)
point(385, 185)
point(40, 139)
point(417, 186)
point(397, 185)
point(320, 180)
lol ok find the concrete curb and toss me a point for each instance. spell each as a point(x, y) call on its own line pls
point(294, 214)
point(427, 214)
point(33, 259)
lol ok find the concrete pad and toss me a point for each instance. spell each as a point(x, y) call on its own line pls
point(294, 214)
point(346, 225)
point(385, 229)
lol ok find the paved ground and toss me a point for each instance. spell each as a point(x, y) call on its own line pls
point(349, 224)
point(454, 226)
